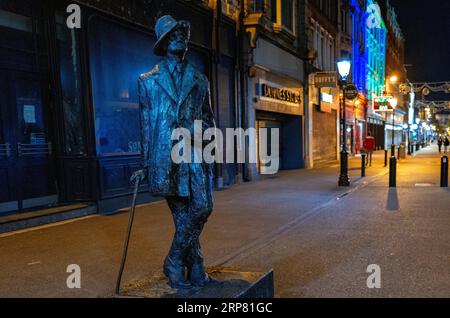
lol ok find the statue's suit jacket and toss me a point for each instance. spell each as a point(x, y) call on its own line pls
point(164, 109)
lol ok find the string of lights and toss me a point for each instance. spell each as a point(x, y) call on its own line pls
point(425, 88)
point(437, 104)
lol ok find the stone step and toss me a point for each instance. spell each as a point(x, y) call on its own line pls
point(22, 220)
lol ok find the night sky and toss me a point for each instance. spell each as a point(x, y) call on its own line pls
point(426, 27)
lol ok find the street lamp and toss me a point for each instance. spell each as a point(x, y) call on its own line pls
point(393, 102)
point(393, 79)
point(344, 66)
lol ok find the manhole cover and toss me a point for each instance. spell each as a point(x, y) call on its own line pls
point(422, 185)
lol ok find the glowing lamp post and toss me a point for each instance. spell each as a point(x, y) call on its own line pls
point(344, 70)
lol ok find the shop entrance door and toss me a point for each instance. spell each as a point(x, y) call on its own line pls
point(27, 169)
point(269, 125)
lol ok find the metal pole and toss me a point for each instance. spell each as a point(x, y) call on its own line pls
point(393, 132)
point(385, 157)
point(127, 238)
point(344, 180)
point(444, 172)
point(392, 172)
point(363, 165)
point(409, 140)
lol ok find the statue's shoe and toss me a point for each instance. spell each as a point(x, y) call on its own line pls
point(197, 275)
point(175, 274)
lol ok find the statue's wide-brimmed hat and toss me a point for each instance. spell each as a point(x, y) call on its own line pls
point(163, 27)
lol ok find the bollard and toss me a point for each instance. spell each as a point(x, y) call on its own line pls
point(392, 172)
point(398, 154)
point(392, 150)
point(385, 157)
point(363, 165)
point(444, 172)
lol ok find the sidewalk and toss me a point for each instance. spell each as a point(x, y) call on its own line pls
point(247, 218)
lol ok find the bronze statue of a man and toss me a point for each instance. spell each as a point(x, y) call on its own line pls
point(174, 95)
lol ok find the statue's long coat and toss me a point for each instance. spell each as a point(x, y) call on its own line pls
point(164, 109)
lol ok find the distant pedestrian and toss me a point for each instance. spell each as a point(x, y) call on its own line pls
point(369, 146)
point(439, 143)
point(446, 144)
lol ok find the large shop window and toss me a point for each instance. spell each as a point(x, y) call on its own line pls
point(118, 56)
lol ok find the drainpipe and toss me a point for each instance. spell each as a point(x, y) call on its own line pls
point(217, 53)
point(243, 83)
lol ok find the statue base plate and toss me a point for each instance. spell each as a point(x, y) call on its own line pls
point(226, 283)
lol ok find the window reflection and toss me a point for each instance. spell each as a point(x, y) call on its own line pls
point(118, 56)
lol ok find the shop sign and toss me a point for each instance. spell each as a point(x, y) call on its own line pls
point(325, 79)
point(280, 94)
point(351, 92)
point(381, 104)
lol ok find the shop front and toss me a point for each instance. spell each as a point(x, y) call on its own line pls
point(325, 123)
point(275, 94)
point(278, 105)
point(27, 156)
point(375, 125)
point(349, 127)
point(360, 130)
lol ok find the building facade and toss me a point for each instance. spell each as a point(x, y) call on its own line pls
point(323, 106)
point(395, 75)
point(274, 88)
point(375, 69)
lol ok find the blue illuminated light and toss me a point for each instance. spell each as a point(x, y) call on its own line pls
point(369, 51)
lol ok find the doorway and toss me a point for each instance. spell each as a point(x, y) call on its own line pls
point(290, 139)
point(27, 165)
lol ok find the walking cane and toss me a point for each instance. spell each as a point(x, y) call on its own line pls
point(127, 238)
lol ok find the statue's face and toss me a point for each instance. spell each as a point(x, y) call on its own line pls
point(177, 43)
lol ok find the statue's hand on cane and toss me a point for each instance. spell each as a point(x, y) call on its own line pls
point(139, 175)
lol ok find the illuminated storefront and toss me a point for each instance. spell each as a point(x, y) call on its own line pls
point(277, 103)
